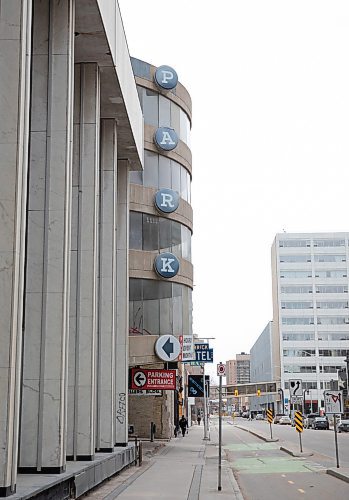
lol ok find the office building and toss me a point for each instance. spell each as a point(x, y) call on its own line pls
point(310, 311)
point(70, 133)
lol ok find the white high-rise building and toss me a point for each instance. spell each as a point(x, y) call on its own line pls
point(311, 315)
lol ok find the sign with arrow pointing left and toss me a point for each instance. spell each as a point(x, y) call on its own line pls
point(167, 347)
point(156, 379)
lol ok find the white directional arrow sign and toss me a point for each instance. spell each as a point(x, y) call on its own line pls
point(167, 347)
point(139, 379)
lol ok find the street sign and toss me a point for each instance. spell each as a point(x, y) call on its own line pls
point(147, 392)
point(201, 347)
point(204, 356)
point(196, 386)
point(153, 379)
point(270, 416)
point(298, 420)
point(187, 348)
point(333, 402)
point(296, 387)
point(167, 347)
point(297, 400)
point(221, 370)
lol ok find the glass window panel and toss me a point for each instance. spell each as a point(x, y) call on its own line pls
point(295, 258)
point(164, 112)
point(150, 232)
point(135, 289)
point(151, 313)
point(165, 234)
point(136, 230)
point(297, 305)
point(338, 273)
point(184, 187)
point(295, 274)
point(331, 289)
point(329, 258)
point(329, 243)
point(166, 325)
point(175, 117)
point(343, 304)
point(151, 167)
point(306, 320)
point(184, 127)
point(176, 176)
point(177, 316)
point(297, 289)
point(164, 172)
point(294, 243)
point(136, 177)
point(150, 107)
point(176, 238)
point(189, 187)
point(136, 317)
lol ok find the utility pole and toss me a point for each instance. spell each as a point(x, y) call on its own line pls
point(220, 373)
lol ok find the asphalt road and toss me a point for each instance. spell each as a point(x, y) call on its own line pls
point(319, 441)
point(263, 472)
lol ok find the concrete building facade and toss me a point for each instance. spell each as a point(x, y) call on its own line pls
point(310, 311)
point(72, 133)
point(160, 303)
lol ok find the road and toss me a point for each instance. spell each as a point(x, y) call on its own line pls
point(320, 441)
point(264, 472)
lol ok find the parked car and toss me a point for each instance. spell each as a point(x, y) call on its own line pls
point(308, 421)
point(259, 416)
point(245, 414)
point(285, 420)
point(343, 426)
point(320, 423)
point(277, 417)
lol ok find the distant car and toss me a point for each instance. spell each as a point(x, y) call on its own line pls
point(285, 420)
point(308, 422)
point(277, 417)
point(245, 414)
point(259, 416)
point(320, 423)
point(343, 426)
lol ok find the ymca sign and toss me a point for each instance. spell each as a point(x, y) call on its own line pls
point(153, 379)
point(166, 265)
point(166, 138)
point(167, 200)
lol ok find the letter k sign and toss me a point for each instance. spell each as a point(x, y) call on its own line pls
point(166, 265)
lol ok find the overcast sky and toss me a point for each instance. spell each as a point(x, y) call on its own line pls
point(269, 82)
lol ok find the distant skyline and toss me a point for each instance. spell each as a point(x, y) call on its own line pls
point(269, 83)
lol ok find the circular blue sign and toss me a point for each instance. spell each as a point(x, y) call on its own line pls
point(166, 265)
point(167, 200)
point(166, 138)
point(166, 77)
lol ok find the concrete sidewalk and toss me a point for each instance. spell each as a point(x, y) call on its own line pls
point(186, 468)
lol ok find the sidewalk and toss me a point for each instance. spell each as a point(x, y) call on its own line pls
point(186, 468)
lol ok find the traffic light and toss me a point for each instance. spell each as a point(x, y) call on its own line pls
point(236, 392)
point(258, 392)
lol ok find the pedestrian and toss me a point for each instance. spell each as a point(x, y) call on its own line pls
point(199, 419)
point(183, 424)
point(176, 430)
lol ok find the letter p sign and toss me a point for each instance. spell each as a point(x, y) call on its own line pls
point(166, 77)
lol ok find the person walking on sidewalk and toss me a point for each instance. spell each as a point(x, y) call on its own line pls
point(183, 424)
point(199, 419)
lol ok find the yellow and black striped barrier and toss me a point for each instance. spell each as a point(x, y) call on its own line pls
point(270, 416)
point(298, 420)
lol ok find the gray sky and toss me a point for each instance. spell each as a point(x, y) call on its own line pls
point(269, 82)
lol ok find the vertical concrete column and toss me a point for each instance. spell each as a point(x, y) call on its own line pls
point(122, 297)
point(15, 47)
point(107, 289)
point(44, 391)
point(84, 267)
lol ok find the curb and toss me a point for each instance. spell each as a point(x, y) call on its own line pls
point(337, 474)
point(260, 436)
point(296, 453)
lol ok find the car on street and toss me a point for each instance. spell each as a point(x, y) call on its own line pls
point(259, 416)
point(277, 417)
point(343, 426)
point(320, 423)
point(308, 421)
point(285, 420)
point(245, 414)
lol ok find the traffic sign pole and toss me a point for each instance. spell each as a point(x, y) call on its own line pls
point(270, 419)
point(298, 419)
point(220, 437)
point(336, 439)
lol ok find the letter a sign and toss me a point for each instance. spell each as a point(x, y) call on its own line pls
point(166, 138)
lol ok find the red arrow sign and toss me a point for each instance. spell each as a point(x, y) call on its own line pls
point(153, 379)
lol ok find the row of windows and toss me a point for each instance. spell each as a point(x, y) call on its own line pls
point(318, 289)
point(317, 258)
point(162, 172)
point(148, 232)
point(307, 304)
point(296, 336)
point(334, 273)
point(311, 369)
point(325, 242)
point(321, 320)
point(305, 385)
point(303, 353)
point(159, 307)
point(162, 112)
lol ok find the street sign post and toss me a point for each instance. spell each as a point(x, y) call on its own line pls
point(296, 387)
point(270, 420)
point(187, 348)
point(221, 370)
point(220, 373)
point(167, 347)
point(334, 406)
point(298, 420)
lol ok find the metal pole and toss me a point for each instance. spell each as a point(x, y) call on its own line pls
point(300, 441)
point(220, 437)
point(271, 431)
point(205, 408)
point(335, 438)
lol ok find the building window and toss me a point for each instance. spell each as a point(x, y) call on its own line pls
point(294, 243)
point(329, 243)
point(298, 336)
point(334, 273)
point(338, 304)
point(296, 305)
point(306, 320)
point(299, 353)
point(299, 369)
point(330, 258)
point(305, 385)
point(331, 289)
point(296, 289)
point(295, 274)
point(332, 320)
point(330, 369)
point(333, 336)
point(295, 258)
point(333, 352)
